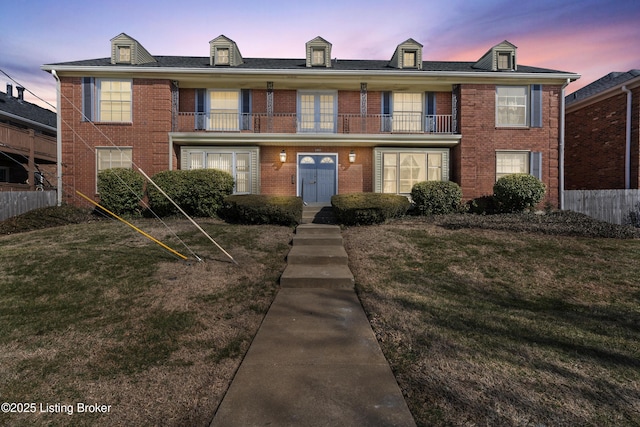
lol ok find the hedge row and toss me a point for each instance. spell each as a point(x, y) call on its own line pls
point(368, 208)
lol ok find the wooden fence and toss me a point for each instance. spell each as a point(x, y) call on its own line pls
point(14, 203)
point(614, 206)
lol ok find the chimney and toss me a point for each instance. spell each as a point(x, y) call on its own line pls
point(9, 90)
point(20, 90)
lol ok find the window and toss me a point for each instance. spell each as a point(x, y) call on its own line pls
point(511, 105)
point(222, 56)
point(510, 162)
point(317, 112)
point(401, 170)
point(114, 100)
point(238, 163)
point(113, 157)
point(409, 59)
point(224, 108)
point(317, 57)
point(124, 54)
point(504, 61)
point(407, 112)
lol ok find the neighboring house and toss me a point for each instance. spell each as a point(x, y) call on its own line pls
point(27, 144)
point(602, 147)
point(313, 126)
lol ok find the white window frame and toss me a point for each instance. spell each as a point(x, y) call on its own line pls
point(107, 96)
point(124, 59)
point(407, 119)
point(197, 158)
point(323, 113)
point(510, 102)
point(318, 56)
point(221, 119)
point(525, 157)
point(223, 59)
point(119, 157)
point(384, 170)
point(409, 58)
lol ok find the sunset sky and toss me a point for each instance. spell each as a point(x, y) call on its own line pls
point(588, 37)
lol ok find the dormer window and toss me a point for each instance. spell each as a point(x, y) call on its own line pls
point(504, 61)
point(124, 54)
point(317, 57)
point(222, 56)
point(409, 59)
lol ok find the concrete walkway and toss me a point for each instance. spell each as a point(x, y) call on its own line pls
point(315, 360)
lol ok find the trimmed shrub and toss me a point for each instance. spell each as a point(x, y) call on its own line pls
point(437, 197)
point(262, 209)
point(121, 190)
point(485, 205)
point(368, 208)
point(199, 192)
point(517, 192)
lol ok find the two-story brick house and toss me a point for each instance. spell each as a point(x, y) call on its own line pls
point(314, 126)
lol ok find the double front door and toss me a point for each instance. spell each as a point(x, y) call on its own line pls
point(317, 177)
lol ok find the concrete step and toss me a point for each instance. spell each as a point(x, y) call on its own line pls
point(318, 215)
point(317, 229)
point(317, 239)
point(317, 276)
point(317, 255)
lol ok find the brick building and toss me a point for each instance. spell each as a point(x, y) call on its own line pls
point(314, 126)
point(602, 143)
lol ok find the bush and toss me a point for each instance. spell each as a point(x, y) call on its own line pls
point(121, 190)
point(485, 205)
point(368, 208)
point(437, 197)
point(517, 192)
point(198, 192)
point(262, 209)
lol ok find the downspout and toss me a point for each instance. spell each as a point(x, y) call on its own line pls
point(58, 139)
point(561, 144)
point(627, 154)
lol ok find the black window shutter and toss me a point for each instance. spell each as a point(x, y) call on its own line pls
point(88, 88)
point(430, 111)
point(200, 109)
point(386, 111)
point(535, 166)
point(245, 108)
point(536, 106)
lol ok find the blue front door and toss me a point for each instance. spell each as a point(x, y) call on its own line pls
point(317, 177)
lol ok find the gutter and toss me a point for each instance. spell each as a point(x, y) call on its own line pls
point(561, 143)
point(627, 154)
point(33, 123)
point(58, 139)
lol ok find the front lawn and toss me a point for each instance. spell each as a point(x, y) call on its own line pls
point(489, 321)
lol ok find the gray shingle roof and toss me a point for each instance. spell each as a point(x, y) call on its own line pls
point(610, 80)
point(296, 64)
point(26, 110)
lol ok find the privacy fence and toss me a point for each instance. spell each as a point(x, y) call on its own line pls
point(14, 203)
point(614, 206)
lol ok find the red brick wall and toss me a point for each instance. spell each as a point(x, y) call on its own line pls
point(474, 159)
point(595, 144)
point(147, 134)
point(280, 178)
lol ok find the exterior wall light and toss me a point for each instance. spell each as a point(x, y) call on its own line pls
point(283, 156)
point(352, 156)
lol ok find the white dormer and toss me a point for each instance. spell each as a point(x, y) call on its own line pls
point(408, 55)
point(127, 50)
point(501, 57)
point(318, 53)
point(224, 52)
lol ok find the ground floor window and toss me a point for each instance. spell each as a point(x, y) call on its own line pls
point(241, 163)
point(510, 162)
point(398, 170)
point(114, 157)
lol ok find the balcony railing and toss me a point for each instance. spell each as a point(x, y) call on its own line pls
point(409, 123)
point(17, 140)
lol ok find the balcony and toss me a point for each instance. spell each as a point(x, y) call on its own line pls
point(403, 123)
point(24, 141)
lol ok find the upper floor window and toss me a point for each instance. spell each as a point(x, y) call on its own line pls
point(317, 111)
point(224, 110)
point(317, 57)
point(409, 59)
point(504, 61)
point(511, 105)
point(407, 112)
point(114, 100)
point(124, 54)
point(222, 56)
